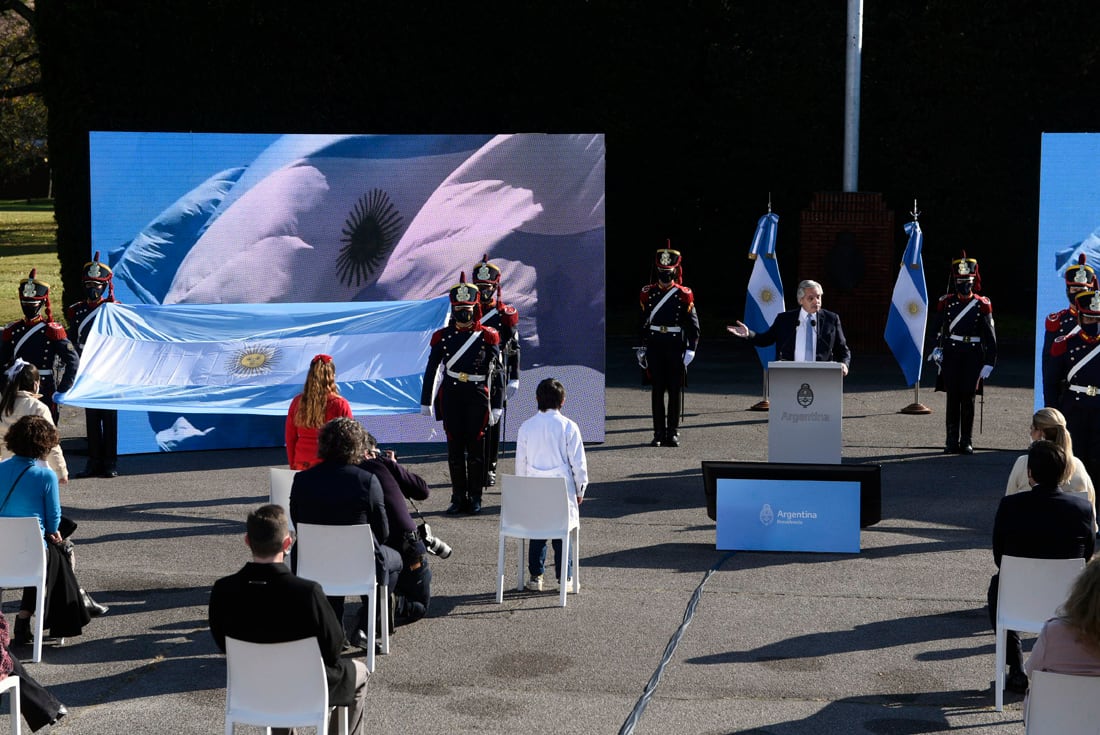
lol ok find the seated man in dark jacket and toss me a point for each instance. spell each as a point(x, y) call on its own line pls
point(265, 603)
point(1042, 523)
point(337, 492)
point(414, 585)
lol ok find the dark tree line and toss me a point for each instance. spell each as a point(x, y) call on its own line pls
point(707, 106)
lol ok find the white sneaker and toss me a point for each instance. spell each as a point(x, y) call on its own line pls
point(568, 586)
point(534, 583)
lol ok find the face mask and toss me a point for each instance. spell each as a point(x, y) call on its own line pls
point(31, 309)
point(462, 316)
point(94, 291)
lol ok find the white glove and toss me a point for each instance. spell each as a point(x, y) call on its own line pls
point(494, 416)
point(639, 352)
point(513, 386)
point(425, 410)
point(986, 371)
point(689, 355)
point(936, 356)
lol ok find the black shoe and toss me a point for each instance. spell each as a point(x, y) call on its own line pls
point(951, 449)
point(62, 711)
point(491, 478)
point(1016, 681)
point(656, 441)
point(474, 507)
point(966, 448)
point(359, 639)
point(456, 507)
point(94, 608)
point(109, 472)
point(22, 635)
point(672, 439)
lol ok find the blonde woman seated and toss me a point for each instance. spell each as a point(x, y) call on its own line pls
point(1070, 643)
point(1050, 424)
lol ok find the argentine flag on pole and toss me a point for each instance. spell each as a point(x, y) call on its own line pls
point(909, 309)
point(253, 358)
point(765, 297)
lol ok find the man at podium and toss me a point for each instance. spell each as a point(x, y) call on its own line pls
point(806, 334)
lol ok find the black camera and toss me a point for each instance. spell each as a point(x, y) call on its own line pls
point(434, 545)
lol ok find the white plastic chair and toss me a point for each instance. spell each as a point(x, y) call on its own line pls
point(1029, 593)
point(23, 564)
point(1063, 704)
point(341, 559)
point(281, 479)
point(10, 684)
point(277, 685)
point(537, 508)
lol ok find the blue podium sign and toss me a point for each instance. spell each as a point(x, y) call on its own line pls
point(785, 515)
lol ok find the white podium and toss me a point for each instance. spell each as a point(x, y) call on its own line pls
point(807, 402)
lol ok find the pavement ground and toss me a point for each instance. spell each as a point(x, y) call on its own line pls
point(894, 639)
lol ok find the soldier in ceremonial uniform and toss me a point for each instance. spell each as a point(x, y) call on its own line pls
point(505, 319)
point(40, 341)
point(966, 350)
point(1079, 277)
point(101, 423)
point(469, 355)
point(670, 335)
point(1075, 365)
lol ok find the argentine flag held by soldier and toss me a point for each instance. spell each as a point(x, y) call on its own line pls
point(765, 298)
point(253, 358)
point(909, 309)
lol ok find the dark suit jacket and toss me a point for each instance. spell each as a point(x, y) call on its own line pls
point(1043, 523)
point(334, 494)
point(265, 603)
point(831, 346)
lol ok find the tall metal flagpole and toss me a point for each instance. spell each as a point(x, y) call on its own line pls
point(916, 407)
point(851, 95)
point(764, 404)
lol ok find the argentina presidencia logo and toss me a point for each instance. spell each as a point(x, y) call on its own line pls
point(252, 360)
point(767, 515)
point(805, 395)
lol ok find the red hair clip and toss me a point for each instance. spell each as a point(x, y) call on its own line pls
point(323, 358)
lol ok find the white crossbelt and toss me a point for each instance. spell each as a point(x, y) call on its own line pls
point(45, 372)
point(967, 339)
point(1088, 390)
point(656, 328)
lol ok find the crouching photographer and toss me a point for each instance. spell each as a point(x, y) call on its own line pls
point(413, 590)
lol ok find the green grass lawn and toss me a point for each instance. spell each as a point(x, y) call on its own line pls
point(28, 239)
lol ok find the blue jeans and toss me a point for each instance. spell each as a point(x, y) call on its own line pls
point(536, 558)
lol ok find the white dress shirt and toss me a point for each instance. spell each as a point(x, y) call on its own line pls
point(549, 444)
point(800, 338)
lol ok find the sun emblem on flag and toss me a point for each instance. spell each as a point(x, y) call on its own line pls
point(252, 360)
point(766, 295)
point(370, 234)
point(914, 308)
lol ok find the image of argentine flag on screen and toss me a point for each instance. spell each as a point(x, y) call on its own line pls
point(225, 219)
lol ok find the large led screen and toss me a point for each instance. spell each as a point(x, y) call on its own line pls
point(1069, 224)
point(225, 218)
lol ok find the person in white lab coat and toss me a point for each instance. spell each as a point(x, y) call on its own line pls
point(549, 445)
